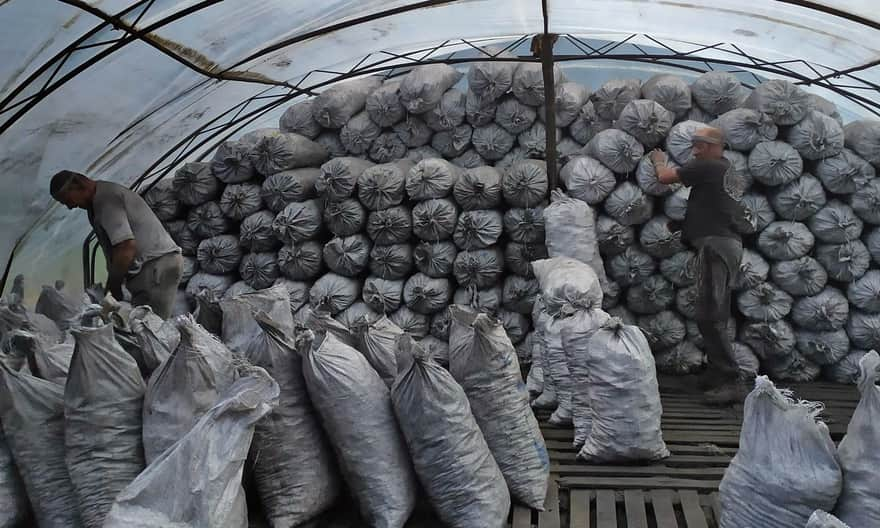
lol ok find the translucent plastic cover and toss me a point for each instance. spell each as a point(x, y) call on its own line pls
point(158, 71)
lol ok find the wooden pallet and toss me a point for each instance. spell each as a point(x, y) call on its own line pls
point(678, 492)
point(613, 508)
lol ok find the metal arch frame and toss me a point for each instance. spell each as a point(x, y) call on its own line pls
point(545, 13)
point(832, 11)
point(19, 107)
point(132, 33)
point(392, 64)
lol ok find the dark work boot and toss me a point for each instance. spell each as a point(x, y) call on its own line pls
point(729, 393)
point(695, 383)
point(715, 377)
point(682, 383)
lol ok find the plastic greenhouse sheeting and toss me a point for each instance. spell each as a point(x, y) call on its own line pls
point(117, 117)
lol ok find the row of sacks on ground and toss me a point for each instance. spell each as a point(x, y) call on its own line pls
point(152, 423)
point(334, 390)
point(788, 473)
point(813, 475)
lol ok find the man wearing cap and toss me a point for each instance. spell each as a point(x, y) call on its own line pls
point(138, 249)
point(709, 224)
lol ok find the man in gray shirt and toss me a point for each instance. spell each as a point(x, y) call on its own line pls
point(138, 249)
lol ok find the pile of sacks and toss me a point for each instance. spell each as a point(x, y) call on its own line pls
point(406, 240)
point(149, 423)
point(386, 196)
point(807, 186)
point(594, 371)
point(788, 473)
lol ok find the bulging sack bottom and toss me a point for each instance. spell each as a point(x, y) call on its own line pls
point(197, 482)
point(624, 396)
point(782, 448)
point(859, 502)
point(483, 360)
point(451, 457)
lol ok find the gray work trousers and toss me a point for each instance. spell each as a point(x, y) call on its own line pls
point(718, 261)
point(155, 285)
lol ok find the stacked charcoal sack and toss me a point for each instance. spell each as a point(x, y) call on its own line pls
point(234, 217)
point(405, 160)
point(400, 215)
point(803, 301)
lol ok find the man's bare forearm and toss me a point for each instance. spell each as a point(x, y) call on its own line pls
point(665, 174)
point(118, 266)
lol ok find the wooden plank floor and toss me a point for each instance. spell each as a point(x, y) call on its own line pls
point(679, 492)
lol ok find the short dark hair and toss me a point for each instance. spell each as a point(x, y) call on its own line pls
point(62, 179)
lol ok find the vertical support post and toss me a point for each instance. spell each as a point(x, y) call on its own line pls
point(91, 278)
point(88, 258)
point(542, 46)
